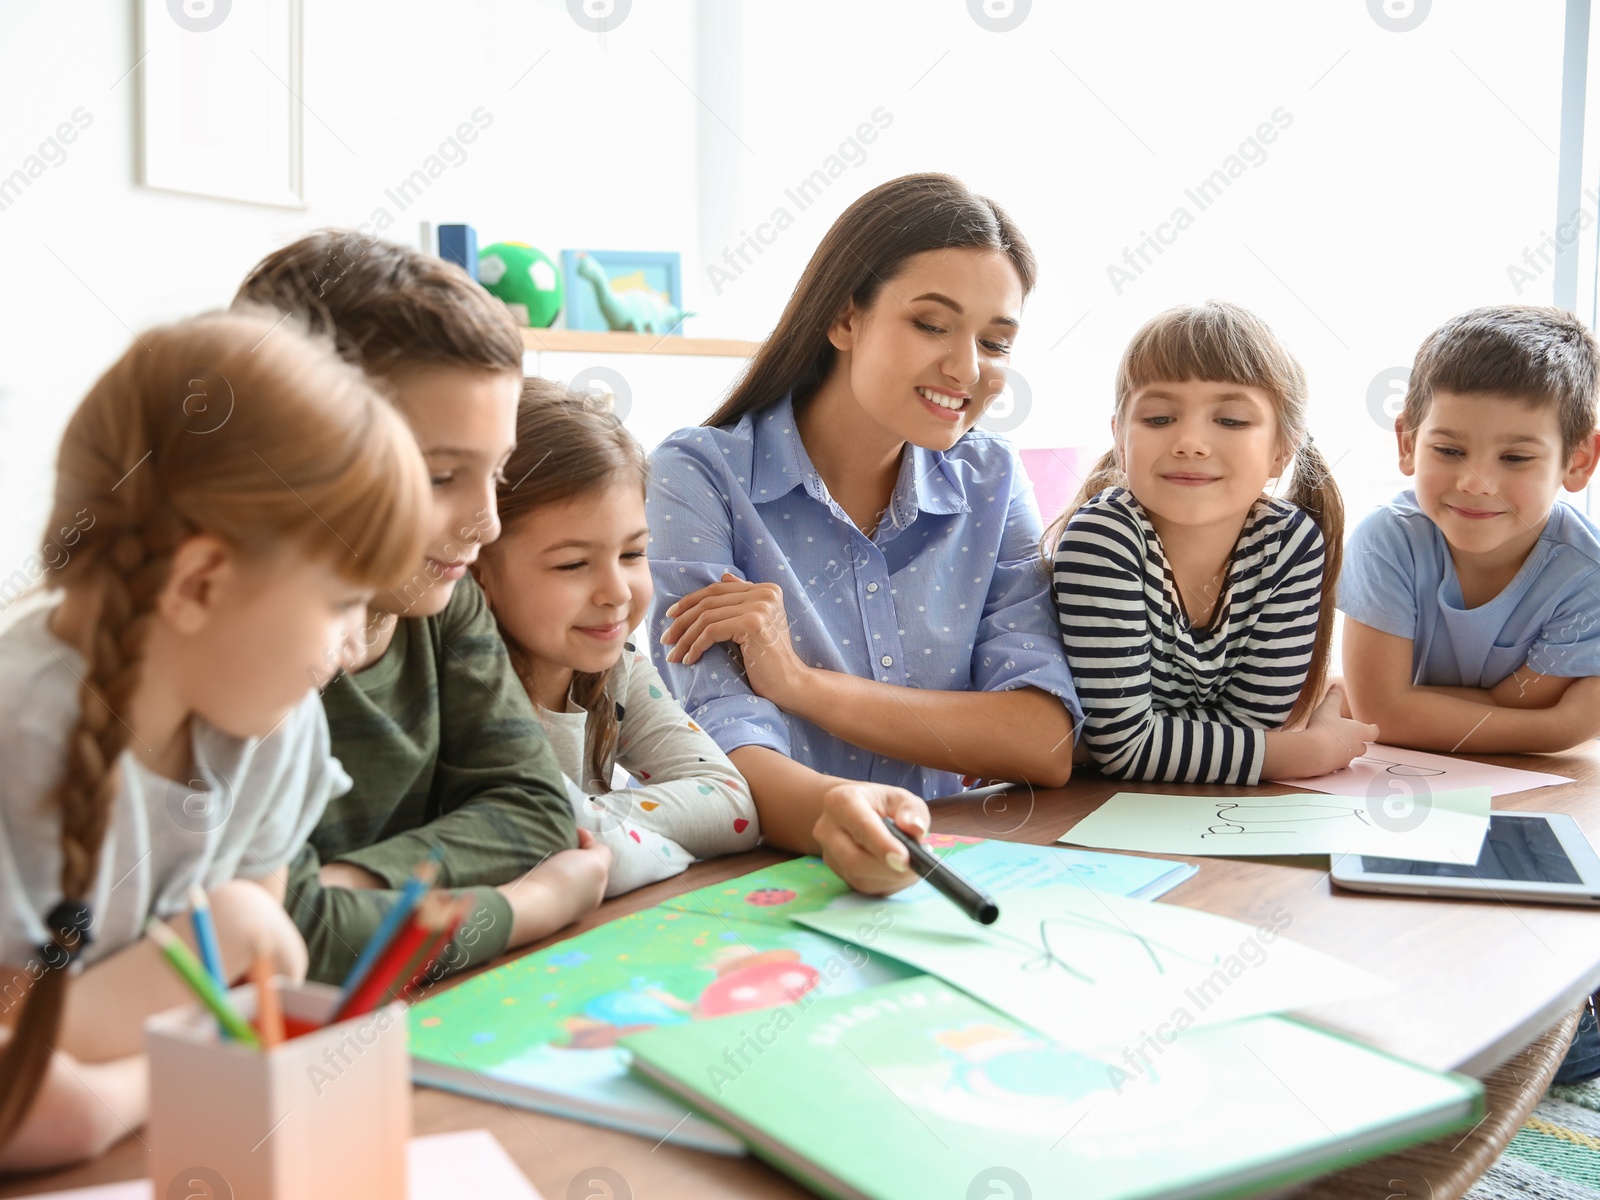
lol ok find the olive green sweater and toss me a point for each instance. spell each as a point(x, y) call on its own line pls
point(442, 743)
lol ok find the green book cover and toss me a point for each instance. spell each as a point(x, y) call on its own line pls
point(913, 1089)
point(542, 1031)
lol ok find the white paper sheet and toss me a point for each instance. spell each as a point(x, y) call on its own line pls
point(1389, 770)
point(1444, 827)
point(1095, 971)
point(444, 1166)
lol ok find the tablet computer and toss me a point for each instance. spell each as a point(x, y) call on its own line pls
point(1526, 856)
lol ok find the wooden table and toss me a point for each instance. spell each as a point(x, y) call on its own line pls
point(1478, 981)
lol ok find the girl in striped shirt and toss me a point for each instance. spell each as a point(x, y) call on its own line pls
point(1195, 609)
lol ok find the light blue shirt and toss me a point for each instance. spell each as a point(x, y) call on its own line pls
point(948, 595)
point(1398, 578)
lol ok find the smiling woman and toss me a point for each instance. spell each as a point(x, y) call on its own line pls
point(848, 593)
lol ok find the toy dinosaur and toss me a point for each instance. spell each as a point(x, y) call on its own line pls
point(635, 311)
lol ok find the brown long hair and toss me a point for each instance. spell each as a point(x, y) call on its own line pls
point(569, 444)
point(206, 425)
point(865, 248)
point(386, 305)
point(1217, 342)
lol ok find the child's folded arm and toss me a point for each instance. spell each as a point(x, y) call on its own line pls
point(689, 792)
point(1524, 688)
point(337, 922)
point(81, 1110)
point(500, 802)
point(1377, 669)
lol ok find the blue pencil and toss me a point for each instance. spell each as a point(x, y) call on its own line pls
point(205, 936)
point(410, 896)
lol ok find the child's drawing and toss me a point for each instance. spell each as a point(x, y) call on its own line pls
point(1236, 818)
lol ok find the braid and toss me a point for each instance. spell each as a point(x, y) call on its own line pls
point(121, 569)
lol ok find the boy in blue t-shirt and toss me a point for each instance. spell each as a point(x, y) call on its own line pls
point(1472, 601)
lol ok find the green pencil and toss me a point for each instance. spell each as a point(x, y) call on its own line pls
point(200, 982)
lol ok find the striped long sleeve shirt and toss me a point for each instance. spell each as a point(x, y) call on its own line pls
point(1162, 699)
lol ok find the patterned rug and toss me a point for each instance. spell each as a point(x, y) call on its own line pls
point(1556, 1155)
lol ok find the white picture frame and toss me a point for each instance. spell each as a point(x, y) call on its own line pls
point(221, 112)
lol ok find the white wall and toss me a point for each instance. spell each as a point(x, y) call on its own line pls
point(595, 147)
point(1416, 169)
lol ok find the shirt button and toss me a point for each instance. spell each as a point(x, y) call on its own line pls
point(872, 587)
point(887, 661)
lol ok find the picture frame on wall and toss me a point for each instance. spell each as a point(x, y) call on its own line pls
point(656, 271)
point(221, 109)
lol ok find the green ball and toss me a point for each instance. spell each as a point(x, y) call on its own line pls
point(525, 279)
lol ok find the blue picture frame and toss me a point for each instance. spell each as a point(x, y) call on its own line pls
point(661, 270)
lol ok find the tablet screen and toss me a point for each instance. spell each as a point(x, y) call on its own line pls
point(1519, 848)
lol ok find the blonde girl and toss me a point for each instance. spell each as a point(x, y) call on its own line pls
point(1196, 610)
point(239, 493)
point(568, 581)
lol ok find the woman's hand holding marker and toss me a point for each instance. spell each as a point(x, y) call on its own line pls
point(855, 843)
point(752, 616)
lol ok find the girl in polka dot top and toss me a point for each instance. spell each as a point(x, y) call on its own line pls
point(567, 581)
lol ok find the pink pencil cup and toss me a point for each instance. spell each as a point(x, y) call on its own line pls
point(324, 1116)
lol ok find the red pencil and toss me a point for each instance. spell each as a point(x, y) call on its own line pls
point(436, 944)
point(390, 963)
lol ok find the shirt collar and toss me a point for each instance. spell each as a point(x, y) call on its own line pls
point(928, 479)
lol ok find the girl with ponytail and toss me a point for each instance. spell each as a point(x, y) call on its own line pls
point(229, 496)
point(568, 581)
point(1196, 611)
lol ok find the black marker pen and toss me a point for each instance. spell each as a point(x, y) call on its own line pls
point(931, 867)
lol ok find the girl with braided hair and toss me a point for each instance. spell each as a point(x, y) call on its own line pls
point(229, 496)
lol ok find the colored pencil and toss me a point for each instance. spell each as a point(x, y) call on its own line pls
point(435, 947)
point(435, 922)
point(402, 949)
point(205, 936)
point(269, 1006)
point(200, 982)
point(410, 896)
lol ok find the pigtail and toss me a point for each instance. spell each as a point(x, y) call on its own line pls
point(1313, 489)
point(1106, 473)
point(592, 692)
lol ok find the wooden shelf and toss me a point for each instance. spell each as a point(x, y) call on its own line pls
point(596, 342)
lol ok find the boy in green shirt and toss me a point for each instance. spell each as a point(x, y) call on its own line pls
point(429, 718)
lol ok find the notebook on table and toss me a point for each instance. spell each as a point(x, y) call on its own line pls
point(915, 1089)
point(542, 1032)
